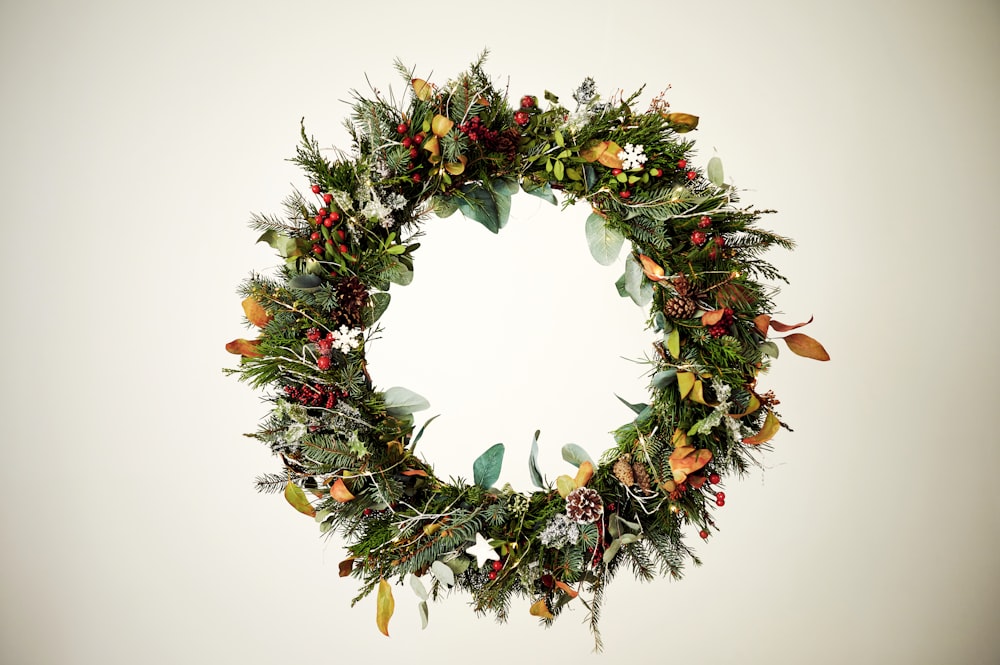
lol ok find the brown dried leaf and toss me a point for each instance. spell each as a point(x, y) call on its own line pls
point(415, 472)
point(570, 591)
point(806, 346)
point(761, 322)
point(713, 317)
point(784, 327)
point(346, 566)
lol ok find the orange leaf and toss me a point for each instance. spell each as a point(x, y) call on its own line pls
point(784, 327)
point(415, 472)
point(255, 313)
point(346, 566)
point(540, 609)
point(679, 438)
point(422, 89)
point(806, 346)
point(713, 317)
point(441, 125)
point(384, 607)
point(761, 322)
point(652, 270)
point(570, 591)
point(339, 491)
point(584, 474)
point(610, 155)
point(687, 459)
point(243, 347)
point(767, 432)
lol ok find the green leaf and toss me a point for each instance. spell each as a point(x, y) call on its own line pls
point(400, 274)
point(659, 322)
point(636, 285)
point(298, 499)
point(559, 169)
point(489, 208)
point(424, 617)
point(620, 286)
point(575, 455)
point(486, 468)
point(674, 343)
point(506, 186)
point(715, 172)
point(605, 242)
point(418, 587)
point(444, 207)
point(287, 247)
point(536, 475)
point(769, 349)
point(378, 302)
point(664, 378)
point(413, 443)
point(307, 283)
point(401, 401)
point(543, 192)
point(589, 176)
point(637, 408)
point(560, 141)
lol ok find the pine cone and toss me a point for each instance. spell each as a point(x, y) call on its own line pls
point(584, 505)
point(680, 307)
point(623, 470)
point(681, 285)
point(642, 478)
point(352, 296)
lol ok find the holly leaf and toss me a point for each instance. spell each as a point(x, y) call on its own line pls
point(806, 346)
point(296, 496)
point(402, 401)
point(486, 468)
point(605, 242)
point(385, 606)
point(767, 431)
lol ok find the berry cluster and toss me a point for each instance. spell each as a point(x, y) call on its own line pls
point(477, 131)
point(411, 143)
point(327, 235)
point(316, 395)
point(722, 327)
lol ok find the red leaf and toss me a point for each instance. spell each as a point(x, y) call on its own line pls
point(806, 346)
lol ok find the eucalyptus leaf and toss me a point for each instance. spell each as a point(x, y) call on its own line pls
point(664, 378)
point(659, 322)
point(715, 175)
point(506, 186)
point(443, 573)
point(636, 285)
point(620, 286)
point(444, 207)
point(486, 468)
point(575, 455)
point(644, 416)
point(605, 242)
point(589, 176)
point(400, 274)
point(489, 208)
point(637, 408)
point(769, 349)
point(543, 192)
point(378, 302)
point(424, 616)
point(402, 401)
point(536, 475)
point(418, 587)
point(307, 283)
point(612, 550)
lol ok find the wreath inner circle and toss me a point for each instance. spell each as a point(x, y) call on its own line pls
point(349, 447)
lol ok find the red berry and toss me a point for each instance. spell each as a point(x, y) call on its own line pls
point(720, 241)
point(413, 153)
point(522, 118)
point(416, 177)
point(401, 128)
point(714, 478)
point(319, 219)
point(681, 163)
point(314, 236)
point(691, 175)
point(712, 254)
point(323, 211)
point(315, 189)
point(323, 362)
point(407, 142)
point(317, 249)
point(492, 574)
point(615, 171)
point(329, 241)
point(328, 222)
point(343, 249)
point(656, 173)
point(527, 102)
point(340, 234)
point(720, 496)
point(612, 507)
point(720, 502)
point(625, 194)
point(327, 197)
point(703, 534)
point(419, 138)
point(366, 512)
point(312, 334)
point(497, 565)
point(335, 216)
point(704, 222)
point(698, 238)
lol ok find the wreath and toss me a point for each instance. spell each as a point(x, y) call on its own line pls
point(348, 448)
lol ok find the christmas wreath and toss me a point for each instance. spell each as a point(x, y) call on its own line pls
point(348, 448)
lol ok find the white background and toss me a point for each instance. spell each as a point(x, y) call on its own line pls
point(137, 138)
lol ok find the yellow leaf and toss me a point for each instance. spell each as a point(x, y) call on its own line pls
point(540, 609)
point(431, 529)
point(243, 347)
point(686, 460)
point(752, 406)
point(570, 591)
point(298, 499)
point(339, 491)
point(696, 394)
point(565, 485)
point(682, 122)
point(679, 438)
point(610, 155)
point(432, 146)
point(385, 606)
point(255, 313)
point(650, 268)
point(584, 474)
point(806, 346)
point(685, 382)
point(674, 344)
point(767, 432)
point(457, 168)
point(441, 125)
point(422, 89)
point(591, 150)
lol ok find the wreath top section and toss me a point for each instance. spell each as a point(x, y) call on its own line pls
point(347, 448)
